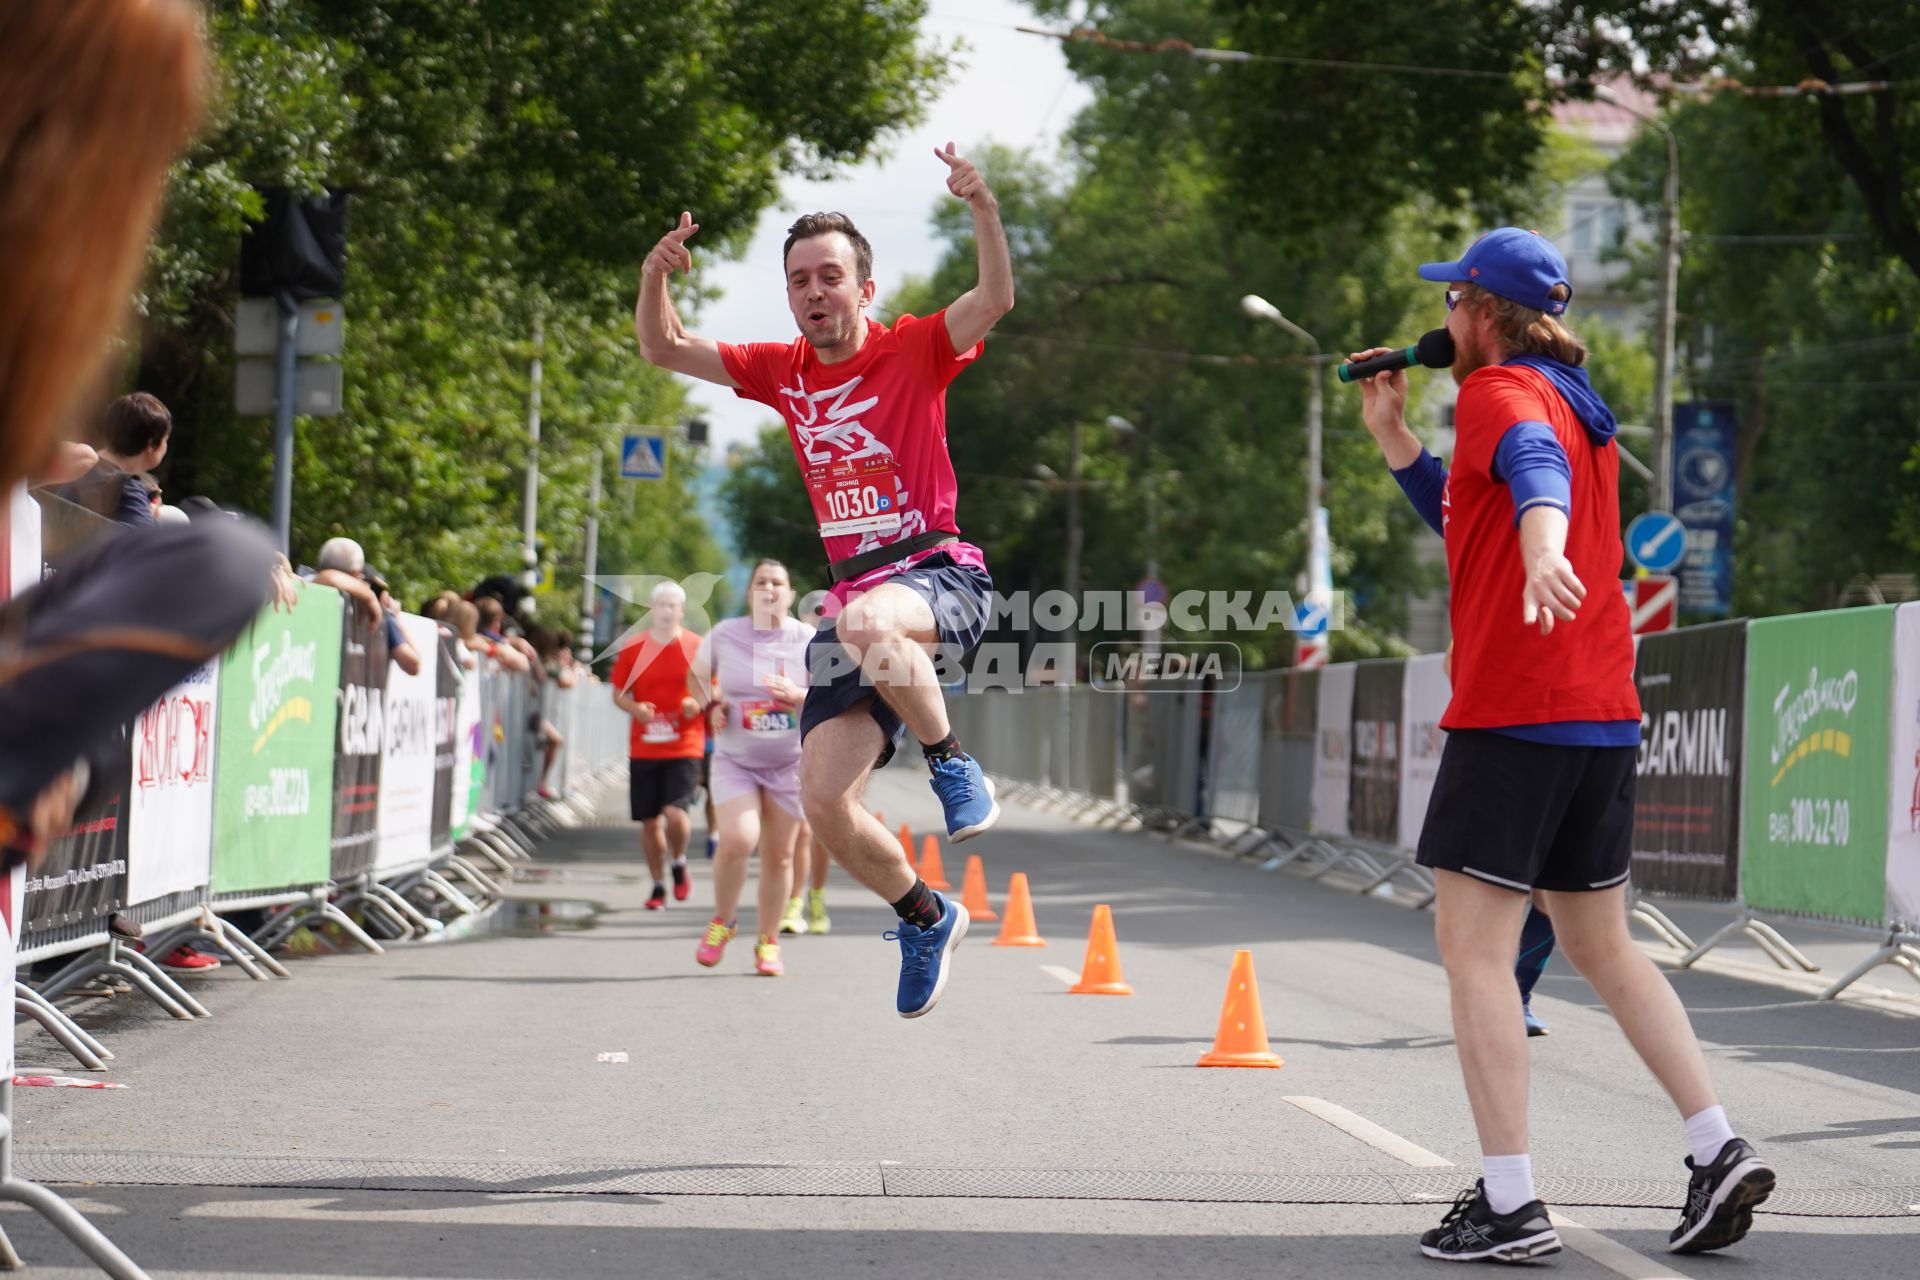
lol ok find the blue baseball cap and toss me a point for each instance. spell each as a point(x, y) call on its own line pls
point(1519, 265)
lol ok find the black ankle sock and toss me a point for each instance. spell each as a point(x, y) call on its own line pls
point(921, 907)
point(945, 749)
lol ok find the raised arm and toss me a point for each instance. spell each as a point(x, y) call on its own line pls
point(972, 315)
point(664, 341)
point(1421, 476)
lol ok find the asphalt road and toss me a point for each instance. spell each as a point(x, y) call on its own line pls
point(441, 1111)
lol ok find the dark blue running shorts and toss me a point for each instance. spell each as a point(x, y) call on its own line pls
point(959, 595)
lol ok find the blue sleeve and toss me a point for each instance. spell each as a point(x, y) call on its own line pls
point(1423, 481)
point(396, 638)
point(1533, 465)
point(136, 508)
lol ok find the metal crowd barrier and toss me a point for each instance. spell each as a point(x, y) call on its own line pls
point(1779, 773)
point(228, 803)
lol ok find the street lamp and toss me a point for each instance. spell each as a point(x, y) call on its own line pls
point(1312, 652)
point(1669, 287)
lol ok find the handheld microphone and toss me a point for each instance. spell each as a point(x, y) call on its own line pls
point(1434, 351)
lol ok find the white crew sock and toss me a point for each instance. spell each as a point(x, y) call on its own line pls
point(1707, 1132)
point(1509, 1181)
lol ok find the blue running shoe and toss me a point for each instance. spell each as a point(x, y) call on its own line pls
point(923, 957)
point(1535, 1027)
point(966, 794)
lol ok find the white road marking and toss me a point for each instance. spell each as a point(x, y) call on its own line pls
point(1610, 1254)
point(1061, 972)
point(1367, 1131)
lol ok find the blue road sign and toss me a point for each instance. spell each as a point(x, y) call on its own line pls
point(1656, 541)
point(643, 458)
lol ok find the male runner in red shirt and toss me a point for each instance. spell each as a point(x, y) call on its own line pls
point(667, 740)
point(865, 408)
point(1536, 786)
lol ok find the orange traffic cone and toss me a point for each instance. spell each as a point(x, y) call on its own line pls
point(1241, 1040)
point(1018, 929)
point(1100, 971)
point(906, 847)
point(973, 890)
point(931, 869)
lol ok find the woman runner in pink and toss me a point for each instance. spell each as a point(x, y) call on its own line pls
point(759, 663)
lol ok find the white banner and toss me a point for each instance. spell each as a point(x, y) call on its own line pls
point(406, 775)
point(1903, 817)
point(466, 734)
point(1333, 750)
point(23, 540)
point(1424, 695)
point(23, 570)
point(170, 822)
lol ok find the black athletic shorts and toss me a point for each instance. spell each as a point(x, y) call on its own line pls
point(1524, 815)
point(960, 596)
point(655, 785)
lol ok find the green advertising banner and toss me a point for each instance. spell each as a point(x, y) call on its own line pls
point(273, 791)
point(1814, 826)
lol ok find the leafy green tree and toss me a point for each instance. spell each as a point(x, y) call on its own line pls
point(511, 161)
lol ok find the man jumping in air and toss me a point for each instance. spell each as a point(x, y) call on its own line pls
point(865, 408)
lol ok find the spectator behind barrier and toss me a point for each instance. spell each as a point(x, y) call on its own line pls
point(130, 439)
point(342, 565)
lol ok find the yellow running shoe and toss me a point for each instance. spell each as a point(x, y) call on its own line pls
point(766, 958)
point(791, 920)
point(817, 921)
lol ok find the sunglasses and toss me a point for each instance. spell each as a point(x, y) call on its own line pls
point(1454, 296)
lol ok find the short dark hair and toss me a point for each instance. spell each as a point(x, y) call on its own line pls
point(134, 424)
point(825, 224)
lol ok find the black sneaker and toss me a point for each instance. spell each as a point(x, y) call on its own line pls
point(1721, 1199)
point(1473, 1232)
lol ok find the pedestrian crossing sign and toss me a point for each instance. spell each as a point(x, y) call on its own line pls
point(643, 457)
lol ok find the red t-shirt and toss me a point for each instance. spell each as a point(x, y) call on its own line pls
point(1505, 672)
point(875, 425)
point(648, 671)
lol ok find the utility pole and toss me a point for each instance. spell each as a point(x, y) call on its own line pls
point(1311, 651)
point(283, 422)
point(529, 548)
point(1662, 497)
point(1074, 444)
point(1669, 291)
point(584, 649)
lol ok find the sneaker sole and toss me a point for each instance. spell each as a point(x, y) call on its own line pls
point(1731, 1215)
point(953, 940)
point(1535, 1246)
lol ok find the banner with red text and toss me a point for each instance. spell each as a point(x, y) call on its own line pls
point(170, 823)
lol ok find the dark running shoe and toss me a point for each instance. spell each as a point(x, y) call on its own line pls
point(1473, 1232)
point(682, 886)
point(1721, 1199)
point(657, 900)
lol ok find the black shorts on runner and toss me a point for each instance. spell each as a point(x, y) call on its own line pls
point(1524, 815)
point(657, 785)
point(959, 595)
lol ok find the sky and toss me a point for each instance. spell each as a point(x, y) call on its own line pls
point(1005, 87)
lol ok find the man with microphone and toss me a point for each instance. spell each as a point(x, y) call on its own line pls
point(1535, 791)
